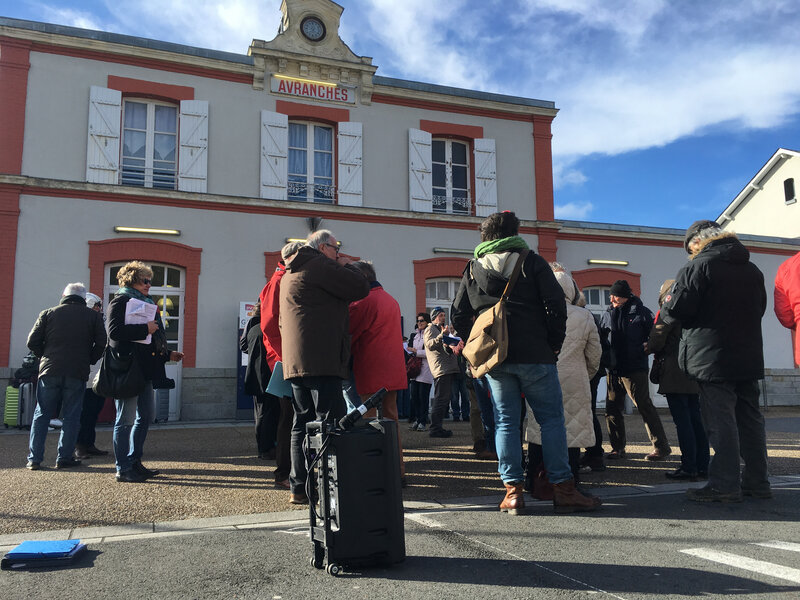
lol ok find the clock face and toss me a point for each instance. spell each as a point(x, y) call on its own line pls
point(313, 28)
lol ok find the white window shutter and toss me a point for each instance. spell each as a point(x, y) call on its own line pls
point(193, 154)
point(274, 155)
point(102, 148)
point(351, 151)
point(420, 181)
point(485, 177)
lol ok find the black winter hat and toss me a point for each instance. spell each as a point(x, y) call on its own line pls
point(696, 228)
point(621, 289)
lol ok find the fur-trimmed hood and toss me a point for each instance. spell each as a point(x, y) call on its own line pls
point(703, 244)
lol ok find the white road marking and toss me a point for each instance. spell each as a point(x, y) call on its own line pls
point(747, 564)
point(428, 522)
point(791, 546)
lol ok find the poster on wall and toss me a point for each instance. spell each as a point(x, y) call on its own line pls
point(244, 402)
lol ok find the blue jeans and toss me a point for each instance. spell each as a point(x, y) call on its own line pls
point(484, 395)
point(685, 410)
point(539, 384)
point(403, 404)
point(49, 390)
point(130, 429)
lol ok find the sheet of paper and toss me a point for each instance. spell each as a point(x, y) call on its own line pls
point(138, 312)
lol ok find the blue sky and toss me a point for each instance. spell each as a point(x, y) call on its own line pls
point(667, 107)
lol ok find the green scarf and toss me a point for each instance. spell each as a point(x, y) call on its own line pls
point(134, 293)
point(502, 245)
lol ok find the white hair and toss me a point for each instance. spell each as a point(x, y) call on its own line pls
point(93, 299)
point(319, 238)
point(75, 289)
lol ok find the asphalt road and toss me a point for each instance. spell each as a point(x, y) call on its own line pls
point(642, 546)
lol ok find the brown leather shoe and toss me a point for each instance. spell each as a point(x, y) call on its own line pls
point(567, 498)
point(514, 502)
point(298, 499)
point(661, 454)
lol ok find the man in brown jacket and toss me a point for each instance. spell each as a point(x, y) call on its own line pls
point(315, 295)
point(444, 366)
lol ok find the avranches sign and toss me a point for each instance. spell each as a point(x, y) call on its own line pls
point(306, 88)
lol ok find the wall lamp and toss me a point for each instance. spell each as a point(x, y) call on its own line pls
point(120, 229)
point(452, 251)
point(603, 261)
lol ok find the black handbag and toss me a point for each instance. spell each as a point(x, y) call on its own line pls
point(120, 375)
point(657, 368)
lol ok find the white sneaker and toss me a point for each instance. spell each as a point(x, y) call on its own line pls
point(422, 427)
point(413, 426)
point(57, 423)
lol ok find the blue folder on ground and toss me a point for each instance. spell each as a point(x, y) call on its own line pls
point(45, 553)
point(277, 385)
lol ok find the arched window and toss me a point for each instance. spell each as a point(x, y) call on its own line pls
point(597, 298)
point(788, 191)
point(441, 292)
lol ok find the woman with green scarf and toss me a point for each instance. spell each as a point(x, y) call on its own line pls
point(135, 414)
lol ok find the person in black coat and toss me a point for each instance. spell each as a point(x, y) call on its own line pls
point(720, 298)
point(135, 414)
point(266, 407)
point(630, 322)
point(537, 321)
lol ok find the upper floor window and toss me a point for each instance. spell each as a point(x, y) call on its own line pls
point(149, 144)
point(788, 191)
point(450, 175)
point(310, 168)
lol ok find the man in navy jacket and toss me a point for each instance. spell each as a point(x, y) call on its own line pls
point(630, 323)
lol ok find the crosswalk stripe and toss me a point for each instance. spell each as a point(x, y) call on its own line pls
point(749, 564)
point(791, 546)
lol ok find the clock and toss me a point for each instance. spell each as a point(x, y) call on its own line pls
point(313, 28)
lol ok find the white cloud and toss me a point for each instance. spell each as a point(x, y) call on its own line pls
point(574, 211)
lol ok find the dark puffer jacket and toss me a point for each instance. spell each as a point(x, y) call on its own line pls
point(68, 338)
point(664, 342)
point(536, 309)
point(630, 325)
point(719, 297)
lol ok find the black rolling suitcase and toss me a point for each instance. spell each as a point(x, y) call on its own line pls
point(359, 521)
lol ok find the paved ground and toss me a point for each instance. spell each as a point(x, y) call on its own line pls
point(210, 470)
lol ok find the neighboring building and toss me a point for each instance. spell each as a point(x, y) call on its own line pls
point(768, 203)
point(203, 163)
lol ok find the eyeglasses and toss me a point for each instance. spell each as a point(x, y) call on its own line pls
point(334, 246)
point(146, 281)
point(421, 321)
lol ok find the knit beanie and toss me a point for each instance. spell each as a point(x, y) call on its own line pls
point(621, 289)
point(696, 228)
point(436, 311)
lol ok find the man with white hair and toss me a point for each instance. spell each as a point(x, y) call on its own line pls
point(67, 339)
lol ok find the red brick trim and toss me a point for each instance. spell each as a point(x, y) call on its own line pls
point(605, 277)
point(611, 239)
point(430, 268)
point(296, 110)
point(451, 108)
point(147, 63)
point(14, 67)
point(437, 128)
point(102, 252)
point(270, 263)
point(548, 248)
point(543, 167)
point(9, 220)
point(150, 89)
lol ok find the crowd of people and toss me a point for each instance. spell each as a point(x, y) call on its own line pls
point(335, 333)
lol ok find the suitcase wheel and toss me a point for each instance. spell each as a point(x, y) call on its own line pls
point(318, 560)
point(334, 569)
